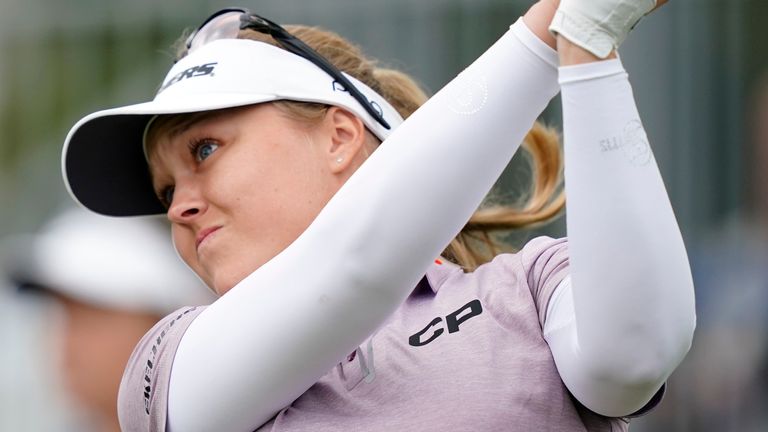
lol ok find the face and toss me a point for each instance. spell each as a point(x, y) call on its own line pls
point(96, 344)
point(243, 184)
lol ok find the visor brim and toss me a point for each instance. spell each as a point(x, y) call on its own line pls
point(103, 160)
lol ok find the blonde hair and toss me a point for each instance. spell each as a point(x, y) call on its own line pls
point(479, 241)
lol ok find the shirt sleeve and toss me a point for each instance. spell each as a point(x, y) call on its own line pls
point(545, 263)
point(143, 395)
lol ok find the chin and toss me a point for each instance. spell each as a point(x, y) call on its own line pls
point(221, 287)
point(224, 275)
point(222, 283)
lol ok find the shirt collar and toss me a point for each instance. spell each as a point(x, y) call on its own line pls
point(438, 272)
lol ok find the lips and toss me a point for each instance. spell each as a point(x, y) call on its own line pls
point(203, 234)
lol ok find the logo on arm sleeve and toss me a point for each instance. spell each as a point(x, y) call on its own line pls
point(149, 368)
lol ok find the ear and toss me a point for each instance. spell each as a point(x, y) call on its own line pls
point(347, 137)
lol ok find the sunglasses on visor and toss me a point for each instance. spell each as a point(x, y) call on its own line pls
point(227, 23)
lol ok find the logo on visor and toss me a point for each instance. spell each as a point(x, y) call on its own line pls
point(337, 86)
point(194, 71)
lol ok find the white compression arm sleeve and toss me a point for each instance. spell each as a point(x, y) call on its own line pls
point(631, 316)
point(264, 343)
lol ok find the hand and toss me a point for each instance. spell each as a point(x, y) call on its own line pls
point(598, 26)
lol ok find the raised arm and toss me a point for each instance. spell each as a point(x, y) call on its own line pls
point(275, 334)
point(624, 319)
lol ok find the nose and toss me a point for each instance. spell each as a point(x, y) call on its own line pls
point(187, 204)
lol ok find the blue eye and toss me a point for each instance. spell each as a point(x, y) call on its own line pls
point(203, 148)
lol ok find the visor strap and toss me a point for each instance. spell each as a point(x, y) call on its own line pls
point(144, 137)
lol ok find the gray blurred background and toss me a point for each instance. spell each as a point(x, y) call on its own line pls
point(700, 73)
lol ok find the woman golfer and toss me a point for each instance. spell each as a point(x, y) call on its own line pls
point(328, 226)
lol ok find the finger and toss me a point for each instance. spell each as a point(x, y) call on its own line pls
point(659, 3)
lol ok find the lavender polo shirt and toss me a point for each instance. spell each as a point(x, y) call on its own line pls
point(464, 352)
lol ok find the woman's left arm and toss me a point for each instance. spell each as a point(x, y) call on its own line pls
point(627, 319)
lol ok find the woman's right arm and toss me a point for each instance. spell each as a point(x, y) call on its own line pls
point(263, 344)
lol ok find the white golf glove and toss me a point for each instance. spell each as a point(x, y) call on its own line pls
point(598, 26)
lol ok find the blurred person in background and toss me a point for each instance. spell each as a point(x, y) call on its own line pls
point(114, 279)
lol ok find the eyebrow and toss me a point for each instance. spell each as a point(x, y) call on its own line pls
point(171, 125)
point(186, 122)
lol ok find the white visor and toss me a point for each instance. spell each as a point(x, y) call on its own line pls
point(103, 159)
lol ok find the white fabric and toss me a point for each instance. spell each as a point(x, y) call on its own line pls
point(234, 72)
point(559, 309)
point(599, 26)
point(314, 303)
point(98, 163)
point(126, 264)
point(628, 319)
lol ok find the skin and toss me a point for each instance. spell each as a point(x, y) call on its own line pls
point(265, 180)
point(268, 176)
point(95, 346)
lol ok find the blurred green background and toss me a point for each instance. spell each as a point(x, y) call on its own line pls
point(694, 66)
point(699, 69)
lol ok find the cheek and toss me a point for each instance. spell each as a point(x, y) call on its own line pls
point(184, 243)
